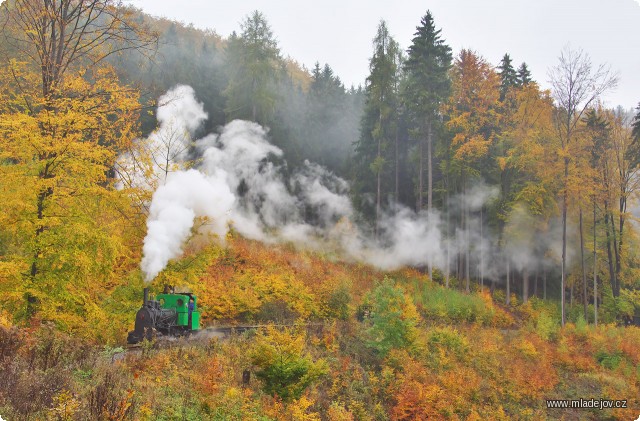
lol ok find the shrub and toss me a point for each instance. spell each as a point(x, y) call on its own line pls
point(610, 361)
point(284, 368)
point(447, 339)
point(448, 305)
point(393, 318)
point(277, 311)
point(546, 327)
point(112, 397)
point(337, 306)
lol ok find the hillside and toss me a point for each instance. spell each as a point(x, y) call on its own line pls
point(450, 241)
point(422, 352)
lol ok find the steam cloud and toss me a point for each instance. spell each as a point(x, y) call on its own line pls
point(238, 183)
point(175, 204)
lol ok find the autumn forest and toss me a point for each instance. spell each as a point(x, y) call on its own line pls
point(454, 239)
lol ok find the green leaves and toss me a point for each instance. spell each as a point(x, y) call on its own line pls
point(394, 318)
point(253, 64)
point(426, 67)
point(284, 367)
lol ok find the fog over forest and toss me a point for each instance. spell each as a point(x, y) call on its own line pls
point(480, 225)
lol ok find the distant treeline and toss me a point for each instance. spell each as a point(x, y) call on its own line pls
point(310, 113)
point(429, 126)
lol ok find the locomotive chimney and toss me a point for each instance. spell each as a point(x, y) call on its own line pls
point(146, 296)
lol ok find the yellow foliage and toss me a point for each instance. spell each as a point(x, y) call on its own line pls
point(65, 406)
point(337, 412)
point(253, 275)
point(472, 107)
point(299, 410)
point(65, 220)
point(527, 348)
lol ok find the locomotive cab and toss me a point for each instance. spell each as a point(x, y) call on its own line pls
point(180, 303)
point(170, 314)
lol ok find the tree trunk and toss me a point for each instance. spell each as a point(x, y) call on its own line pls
point(525, 285)
point(448, 263)
point(612, 272)
point(622, 209)
point(43, 195)
point(544, 284)
point(460, 254)
point(595, 265)
point(397, 174)
point(564, 239)
point(508, 293)
point(466, 242)
point(584, 272)
point(420, 175)
point(571, 292)
point(429, 167)
point(616, 290)
point(481, 252)
point(378, 178)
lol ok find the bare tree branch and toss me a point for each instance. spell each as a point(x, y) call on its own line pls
point(57, 35)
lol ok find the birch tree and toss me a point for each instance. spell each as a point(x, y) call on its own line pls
point(575, 85)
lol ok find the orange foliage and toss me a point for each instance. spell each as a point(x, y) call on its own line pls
point(415, 392)
point(629, 345)
point(252, 274)
point(209, 378)
point(575, 354)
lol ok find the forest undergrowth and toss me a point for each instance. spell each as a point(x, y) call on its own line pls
point(360, 344)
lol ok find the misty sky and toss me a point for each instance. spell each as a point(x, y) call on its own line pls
point(340, 32)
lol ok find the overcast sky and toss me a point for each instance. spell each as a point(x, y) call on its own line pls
point(340, 32)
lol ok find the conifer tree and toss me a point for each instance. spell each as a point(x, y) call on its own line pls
point(427, 87)
point(508, 76)
point(324, 138)
point(254, 64)
point(634, 156)
point(524, 75)
point(379, 123)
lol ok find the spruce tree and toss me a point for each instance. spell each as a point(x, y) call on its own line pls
point(636, 125)
point(508, 76)
point(379, 123)
point(524, 75)
point(325, 139)
point(427, 87)
point(254, 69)
point(633, 153)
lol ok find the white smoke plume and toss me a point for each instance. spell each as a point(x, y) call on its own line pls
point(150, 160)
point(238, 182)
point(185, 195)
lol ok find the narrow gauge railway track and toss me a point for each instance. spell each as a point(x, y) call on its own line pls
point(220, 332)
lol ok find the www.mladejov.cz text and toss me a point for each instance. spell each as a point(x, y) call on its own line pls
point(586, 403)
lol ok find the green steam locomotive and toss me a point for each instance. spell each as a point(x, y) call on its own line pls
point(168, 314)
